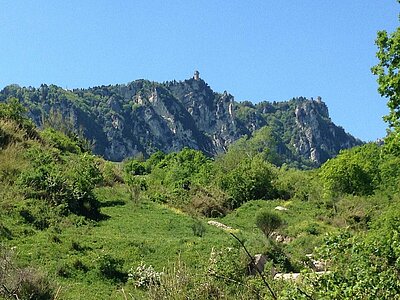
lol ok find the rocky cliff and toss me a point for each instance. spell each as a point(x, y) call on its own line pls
point(144, 116)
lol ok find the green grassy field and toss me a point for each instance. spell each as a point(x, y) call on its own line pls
point(155, 234)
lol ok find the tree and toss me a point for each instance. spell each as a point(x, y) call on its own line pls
point(268, 221)
point(252, 178)
point(388, 80)
point(263, 142)
point(15, 111)
point(354, 171)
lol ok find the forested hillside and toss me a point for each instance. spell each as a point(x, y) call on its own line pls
point(142, 117)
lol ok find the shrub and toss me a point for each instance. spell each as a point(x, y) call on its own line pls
point(144, 276)
point(198, 228)
point(110, 172)
point(209, 202)
point(250, 179)
point(268, 221)
point(39, 215)
point(134, 167)
point(13, 110)
point(60, 141)
point(22, 283)
point(60, 184)
point(354, 171)
point(111, 268)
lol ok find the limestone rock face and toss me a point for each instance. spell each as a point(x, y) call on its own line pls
point(143, 117)
point(212, 113)
point(318, 138)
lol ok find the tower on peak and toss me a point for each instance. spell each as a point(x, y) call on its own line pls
point(196, 75)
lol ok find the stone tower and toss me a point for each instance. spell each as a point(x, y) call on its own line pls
point(196, 75)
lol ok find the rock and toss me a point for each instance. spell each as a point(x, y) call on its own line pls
point(317, 265)
point(219, 225)
point(295, 276)
point(142, 117)
point(280, 238)
point(287, 276)
point(316, 141)
point(259, 263)
point(281, 208)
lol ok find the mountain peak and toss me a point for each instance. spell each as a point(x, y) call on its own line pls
point(144, 116)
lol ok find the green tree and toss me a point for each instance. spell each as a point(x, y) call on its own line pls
point(388, 80)
point(251, 178)
point(15, 111)
point(263, 142)
point(184, 168)
point(387, 71)
point(268, 221)
point(354, 171)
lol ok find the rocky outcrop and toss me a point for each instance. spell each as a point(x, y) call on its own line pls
point(318, 138)
point(212, 113)
point(142, 117)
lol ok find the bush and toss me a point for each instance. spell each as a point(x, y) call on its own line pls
point(354, 171)
point(22, 283)
point(144, 276)
point(209, 202)
point(70, 185)
point(250, 179)
point(268, 221)
point(111, 268)
point(60, 141)
point(110, 172)
point(13, 110)
point(39, 215)
point(363, 265)
point(198, 228)
point(298, 185)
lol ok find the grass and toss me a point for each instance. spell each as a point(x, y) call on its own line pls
point(71, 251)
point(134, 233)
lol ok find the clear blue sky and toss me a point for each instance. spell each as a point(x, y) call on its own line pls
point(256, 50)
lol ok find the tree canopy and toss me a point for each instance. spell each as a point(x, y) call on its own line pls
point(387, 71)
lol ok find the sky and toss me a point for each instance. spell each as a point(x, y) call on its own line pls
point(256, 50)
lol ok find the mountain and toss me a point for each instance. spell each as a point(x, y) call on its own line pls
point(124, 120)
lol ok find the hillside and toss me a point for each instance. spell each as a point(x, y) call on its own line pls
point(74, 226)
point(142, 117)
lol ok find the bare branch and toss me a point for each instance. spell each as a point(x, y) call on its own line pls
point(254, 265)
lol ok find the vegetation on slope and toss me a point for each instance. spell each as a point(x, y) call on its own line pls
point(75, 226)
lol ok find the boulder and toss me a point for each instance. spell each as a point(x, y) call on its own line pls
point(259, 263)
